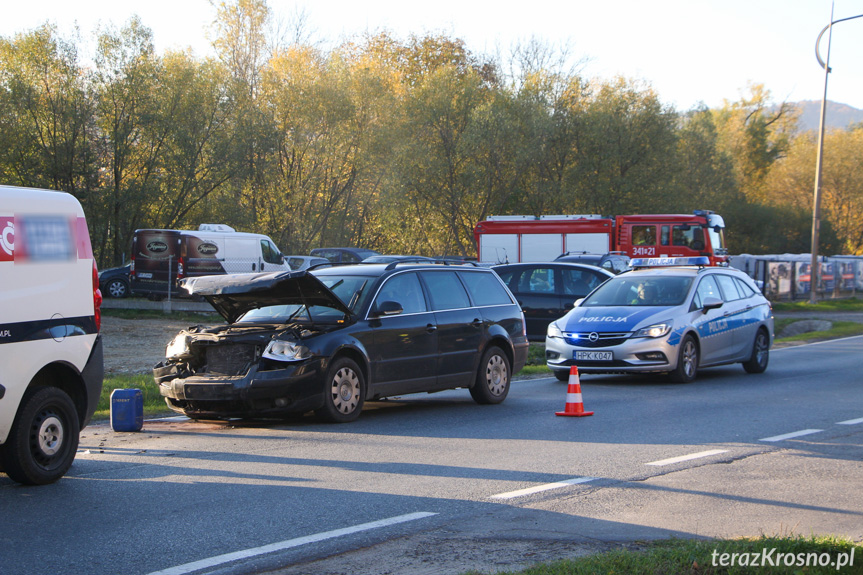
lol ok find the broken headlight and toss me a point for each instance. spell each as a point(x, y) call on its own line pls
point(286, 351)
point(178, 348)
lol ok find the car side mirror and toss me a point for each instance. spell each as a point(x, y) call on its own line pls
point(711, 303)
point(386, 308)
point(578, 302)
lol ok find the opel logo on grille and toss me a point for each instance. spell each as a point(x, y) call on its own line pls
point(593, 336)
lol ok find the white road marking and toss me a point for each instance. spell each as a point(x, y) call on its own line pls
point(791, 435)
point(540, 488)
point(245, 554)
point(689, 457)
point(851, 422)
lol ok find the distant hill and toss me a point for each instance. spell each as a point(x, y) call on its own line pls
point(838, 115)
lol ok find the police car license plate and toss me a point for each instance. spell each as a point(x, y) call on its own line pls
point(594, 355)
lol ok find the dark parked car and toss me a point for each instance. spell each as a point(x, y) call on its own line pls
point(332, 338)
point(114, 282)
point(343, 255)
point(615, 262)
point(304, 262)
point(547, 290)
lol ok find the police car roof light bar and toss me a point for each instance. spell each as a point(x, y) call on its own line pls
point(700, 261)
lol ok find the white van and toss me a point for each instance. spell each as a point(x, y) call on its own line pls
point(160, 258)
point(50, 347)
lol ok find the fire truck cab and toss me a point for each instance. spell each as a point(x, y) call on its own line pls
point(511, 239)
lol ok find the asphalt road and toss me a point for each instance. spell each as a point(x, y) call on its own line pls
point(438, 484)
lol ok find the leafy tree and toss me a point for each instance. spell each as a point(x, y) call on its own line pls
point(46, 114)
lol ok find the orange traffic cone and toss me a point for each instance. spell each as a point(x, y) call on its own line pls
point(574, 406)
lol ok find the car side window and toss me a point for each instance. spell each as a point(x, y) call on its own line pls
point(485, 288)
point(445, 290)
point(578, 283)
point(707, 287)
point(729, 287)
point(405, 289)
point(540, 280)
point(745, 289)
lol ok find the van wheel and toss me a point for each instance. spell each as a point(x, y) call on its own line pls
point(344, 392)
point(44, 437)
point(687, 362)
point(493, 378)
point(757, 362)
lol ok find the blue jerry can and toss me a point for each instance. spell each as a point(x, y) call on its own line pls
point(127, 410)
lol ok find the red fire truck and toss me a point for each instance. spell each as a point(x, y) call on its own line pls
point(514, 239)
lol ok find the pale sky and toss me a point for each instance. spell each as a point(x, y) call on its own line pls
point(689, 51)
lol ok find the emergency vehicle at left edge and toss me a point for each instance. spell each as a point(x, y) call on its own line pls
point(50, 347)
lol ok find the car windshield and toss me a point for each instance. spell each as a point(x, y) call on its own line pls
point(350, 289)
point(642, 290)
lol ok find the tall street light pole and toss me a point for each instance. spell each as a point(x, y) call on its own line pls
point(815, 272)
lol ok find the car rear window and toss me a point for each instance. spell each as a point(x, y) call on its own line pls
point(445, 290)
point(485, 288)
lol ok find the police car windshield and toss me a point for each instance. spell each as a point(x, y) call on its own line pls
point(641, 290)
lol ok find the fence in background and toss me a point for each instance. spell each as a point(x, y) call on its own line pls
point(788, 276)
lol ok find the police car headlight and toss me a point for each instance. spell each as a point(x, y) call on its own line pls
point(554, 331)
point(657, 330)
point(279, 350)
point(178, 348)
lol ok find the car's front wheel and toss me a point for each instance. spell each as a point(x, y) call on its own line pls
point(757, 362)
point(344, 392)
point(493, 378)
point(687, 361)
point(44, 437)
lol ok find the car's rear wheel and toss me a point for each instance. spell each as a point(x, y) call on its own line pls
point(117, 288)
point(757, 362)
point(493, 378)
point(344, 392)
point(44, 437)
point(687, 361)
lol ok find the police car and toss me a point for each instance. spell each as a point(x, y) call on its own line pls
point(667, 315)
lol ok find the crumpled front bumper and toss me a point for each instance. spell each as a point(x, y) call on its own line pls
point(295, 388)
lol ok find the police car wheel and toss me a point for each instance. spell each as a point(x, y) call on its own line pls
point(757, 362)
point(493, 378)
point(44, 437)
point(687, 361)
point(561, 375)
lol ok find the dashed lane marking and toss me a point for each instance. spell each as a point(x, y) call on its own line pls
point(540, 488)
point(245, 554)
point(791, 435)
point(689, 457)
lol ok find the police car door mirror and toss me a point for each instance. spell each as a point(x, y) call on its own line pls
point(386, 308)
point(578, 302)
point(711, 303)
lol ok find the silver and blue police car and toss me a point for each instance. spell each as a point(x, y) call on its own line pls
point(667, 315)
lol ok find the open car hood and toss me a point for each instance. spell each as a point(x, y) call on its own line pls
point(233, 295)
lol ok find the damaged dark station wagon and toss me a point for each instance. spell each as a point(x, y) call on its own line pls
point(330, 339)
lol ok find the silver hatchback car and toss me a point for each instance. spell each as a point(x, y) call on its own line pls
point(671, 315)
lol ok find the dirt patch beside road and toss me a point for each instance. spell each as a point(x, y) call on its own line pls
point(135, 345)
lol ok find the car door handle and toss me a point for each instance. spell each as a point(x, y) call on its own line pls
point(476, 322)
point(431, 328)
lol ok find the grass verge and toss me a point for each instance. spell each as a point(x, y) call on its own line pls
point(826, 305)
point(714, 557)
point(154, 404)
